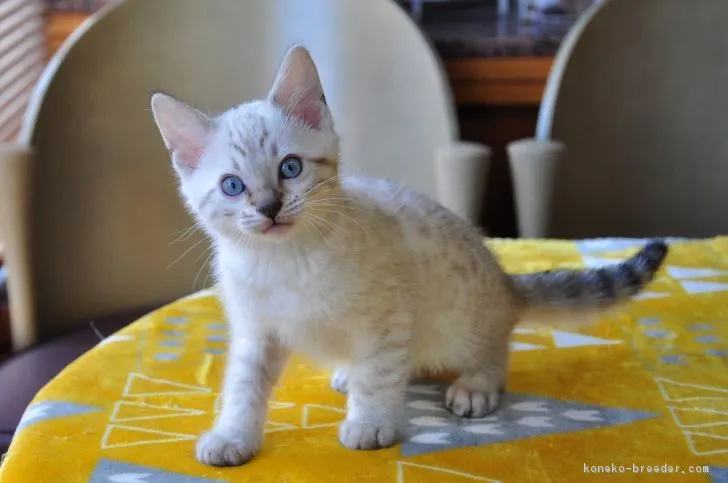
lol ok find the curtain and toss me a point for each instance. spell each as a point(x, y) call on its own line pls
point(22, 59)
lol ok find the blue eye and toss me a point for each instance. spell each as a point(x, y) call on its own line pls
point(291, 167)
point(232, 186)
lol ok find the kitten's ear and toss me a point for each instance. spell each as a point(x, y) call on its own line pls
point(184, 129)
point(297, 88)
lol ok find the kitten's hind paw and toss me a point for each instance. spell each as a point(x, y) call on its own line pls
point(214, 449)
point(360, 435)
point(340, 381)
point(468, 402)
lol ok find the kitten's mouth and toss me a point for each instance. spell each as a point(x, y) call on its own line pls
point(278, 227)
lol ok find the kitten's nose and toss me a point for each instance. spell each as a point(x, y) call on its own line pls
point(271, 208)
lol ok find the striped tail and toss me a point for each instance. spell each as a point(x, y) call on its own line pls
point(593, 288)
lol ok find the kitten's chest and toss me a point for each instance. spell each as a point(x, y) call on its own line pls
point(303, 301)
point(309, 316)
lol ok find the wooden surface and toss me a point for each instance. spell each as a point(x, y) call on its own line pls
point(60, 26)
point(516, 81)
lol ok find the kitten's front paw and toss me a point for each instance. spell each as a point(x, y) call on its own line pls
point(214, 449)
point(361, 435)
point(467, 402)
point(340, 380)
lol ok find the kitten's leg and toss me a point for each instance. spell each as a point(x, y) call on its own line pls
point(377, 383)
point(340, 380)
point(254, 366)
point(478, 390)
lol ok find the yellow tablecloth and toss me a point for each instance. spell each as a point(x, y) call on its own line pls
point(642, 392)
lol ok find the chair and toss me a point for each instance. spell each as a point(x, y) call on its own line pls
point(637, 94)
point(88, 198)
point(91, 178)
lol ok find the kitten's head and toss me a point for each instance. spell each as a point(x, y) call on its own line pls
point(258, 169)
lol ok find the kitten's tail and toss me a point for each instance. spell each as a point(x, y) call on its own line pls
point(571, 291)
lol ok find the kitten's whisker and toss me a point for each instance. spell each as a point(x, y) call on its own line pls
point(185, 254)
point(333, 228)
point(315, 226)
point(341, 206)
point(318, 200)
point(204, 252)
point(323, 184)
point(336, 212)
point(324, 194)
point(292, 210)
point(182, 231)
point(185, 234)
point(319, 184)
point(199, 271)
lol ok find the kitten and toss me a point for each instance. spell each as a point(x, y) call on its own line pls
point(359, 273)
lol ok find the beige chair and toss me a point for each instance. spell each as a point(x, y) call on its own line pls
point(638, 94)
point(88, 199)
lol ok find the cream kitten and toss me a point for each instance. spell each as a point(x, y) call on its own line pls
point(360, 273)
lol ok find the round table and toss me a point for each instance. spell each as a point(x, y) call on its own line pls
point(645, 385)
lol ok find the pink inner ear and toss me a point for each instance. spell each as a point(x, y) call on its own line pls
point(308, 111)
point(188, 156)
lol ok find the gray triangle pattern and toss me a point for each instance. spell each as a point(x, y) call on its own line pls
point(111, 471)
point(46, 410)
point(432, 428)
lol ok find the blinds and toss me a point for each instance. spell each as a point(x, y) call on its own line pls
point(77, 5)
point(22, 58)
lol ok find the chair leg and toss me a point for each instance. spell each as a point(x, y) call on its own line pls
point(533, 165)
point(16, 168)
point(461, 174)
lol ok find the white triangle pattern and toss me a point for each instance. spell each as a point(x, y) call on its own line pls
point(719, 443)
point(153, 436)
point(712, 417)
point(165, 387)
point(573, 339)
point(523, 346)
point(668, 387)
point(687, 272)
point(401, 465)
point(154, 411)
point(305, 423)
point(695, 287)
point(564, 340)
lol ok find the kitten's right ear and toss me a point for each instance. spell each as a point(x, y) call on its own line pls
point(184, 129)
point(297, 88)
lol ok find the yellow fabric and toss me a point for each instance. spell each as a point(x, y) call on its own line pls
point(152, 388)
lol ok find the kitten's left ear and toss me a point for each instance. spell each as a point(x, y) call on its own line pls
point(185, 130)
point(297, 88)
